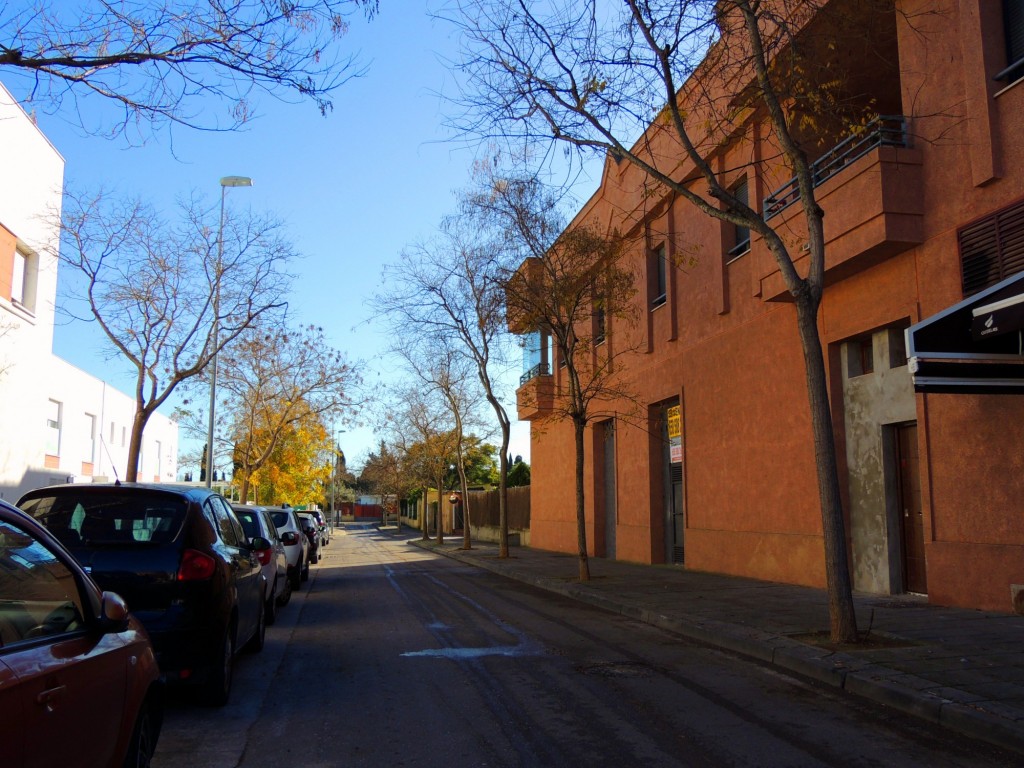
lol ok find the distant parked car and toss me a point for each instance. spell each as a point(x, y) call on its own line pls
point(296, 545)
point(325, 529)
point(312, 531)
point(181, 560)
point(79, 681)
point(255, 522)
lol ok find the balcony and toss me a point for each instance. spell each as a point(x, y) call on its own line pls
point(536, 394)
point(870, 187)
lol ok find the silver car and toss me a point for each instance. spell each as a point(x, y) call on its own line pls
point(296, 545)
point(256, 521)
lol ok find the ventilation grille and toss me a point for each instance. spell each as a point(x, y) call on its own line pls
point(992, 249)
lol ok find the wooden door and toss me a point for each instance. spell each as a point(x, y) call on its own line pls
point(915, 575)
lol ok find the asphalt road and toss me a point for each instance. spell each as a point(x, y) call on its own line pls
point(391, 656)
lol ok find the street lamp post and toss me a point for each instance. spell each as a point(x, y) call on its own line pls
point(227, 181)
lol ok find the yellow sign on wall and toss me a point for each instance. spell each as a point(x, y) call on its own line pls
point(675, 422)
point(674, 415)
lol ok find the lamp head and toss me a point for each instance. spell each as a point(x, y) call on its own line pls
point(236, 181)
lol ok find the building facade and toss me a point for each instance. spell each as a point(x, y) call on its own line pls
point(59, 423)
point(711, 464)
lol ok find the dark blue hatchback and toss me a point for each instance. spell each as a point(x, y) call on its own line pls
point(180, 559)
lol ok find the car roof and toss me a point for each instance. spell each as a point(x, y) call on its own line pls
point(189, 491)
point(239, 507)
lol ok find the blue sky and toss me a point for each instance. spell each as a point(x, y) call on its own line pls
point(354, 187)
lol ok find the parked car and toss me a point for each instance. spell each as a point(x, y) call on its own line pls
point(78, 676)
point(325, 529)
point(182, 562)
point(256, 522)
point(312, 531)
point(296, 545)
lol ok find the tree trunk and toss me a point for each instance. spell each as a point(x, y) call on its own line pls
point(467, 534)
point(131, 472)
point(842, 618)
point(243, 490)
point(503, 493)
point(424, 525)
point(581, 520)
point(439, 517)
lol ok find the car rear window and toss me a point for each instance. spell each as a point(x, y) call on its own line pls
point(249, 523)
point(109, 518)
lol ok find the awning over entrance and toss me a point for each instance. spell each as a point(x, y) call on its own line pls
point(976, 346)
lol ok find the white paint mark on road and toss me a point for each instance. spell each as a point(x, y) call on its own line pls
point(459, 654)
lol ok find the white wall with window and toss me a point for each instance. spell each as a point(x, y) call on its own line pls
point(86, 455)
point(52, 415)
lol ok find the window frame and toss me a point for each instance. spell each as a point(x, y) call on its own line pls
point(1013, 39)
point(54, 427)
point(740, 234)
point(659, 275)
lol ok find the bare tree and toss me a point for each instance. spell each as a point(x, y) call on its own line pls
point(385, 474)
point(275, 378)
point(152, 286)
point(576, 289)
point(452, 288)
point(161, 61)
point(449, 373)
point(421, 420)
point(665, 85)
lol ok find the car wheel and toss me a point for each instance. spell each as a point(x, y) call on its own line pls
point(289, 585)
point(305, 571)
point(255, 644)
point(270, 608)
point(295, 577)
point(144, 738)
point(313, 558)
point(218, 688)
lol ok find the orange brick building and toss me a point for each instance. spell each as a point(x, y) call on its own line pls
point(932, 481)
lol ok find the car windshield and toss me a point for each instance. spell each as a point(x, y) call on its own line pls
point(109, 518)
point(281, 519)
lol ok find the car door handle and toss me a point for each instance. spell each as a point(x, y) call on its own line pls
point(49, 696)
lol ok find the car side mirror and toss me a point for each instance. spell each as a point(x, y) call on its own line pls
point(113, 613)
point(259, 542)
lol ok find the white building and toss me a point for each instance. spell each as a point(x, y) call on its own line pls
point(57, 423)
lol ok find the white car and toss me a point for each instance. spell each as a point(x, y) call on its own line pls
point(296, 545)
point(256, 521)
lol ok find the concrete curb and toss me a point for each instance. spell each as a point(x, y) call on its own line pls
point(861, 678)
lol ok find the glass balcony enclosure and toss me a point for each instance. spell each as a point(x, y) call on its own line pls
point(537, 352)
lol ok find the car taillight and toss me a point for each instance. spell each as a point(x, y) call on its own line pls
point(263, 555)
point(195, 566)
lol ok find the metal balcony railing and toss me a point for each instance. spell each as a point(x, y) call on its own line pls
point(540, 369)
point(883, 131)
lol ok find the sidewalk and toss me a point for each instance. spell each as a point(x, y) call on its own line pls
point(959, 668)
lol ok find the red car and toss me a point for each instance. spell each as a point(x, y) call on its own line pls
point(79, 683)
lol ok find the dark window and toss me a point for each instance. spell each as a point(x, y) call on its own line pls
point(992, 249)
point(39, 595)
point(109, 518)
point(898, 344)
point(1013, 27)
point(600, 321)
point(860, 359)
point(250, 524)
point(271, 528)
point(741, 235)
point(225, 522)
point(659, 274)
